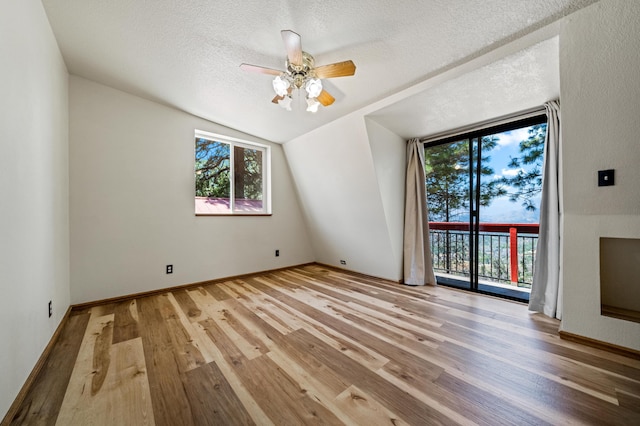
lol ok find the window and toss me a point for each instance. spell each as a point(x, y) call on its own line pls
point(232, 176)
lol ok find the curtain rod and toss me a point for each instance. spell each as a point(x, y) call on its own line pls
point(521, 115)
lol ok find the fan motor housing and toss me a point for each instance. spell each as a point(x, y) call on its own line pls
point(300, 73)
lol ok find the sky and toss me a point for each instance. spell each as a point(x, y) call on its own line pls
point(501, 210)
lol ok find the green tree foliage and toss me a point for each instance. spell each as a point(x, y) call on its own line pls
point(527, 184)
point(213, 170)
point(447, 179)
point(248, 173)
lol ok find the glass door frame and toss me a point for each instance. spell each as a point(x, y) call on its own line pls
point(475, 138)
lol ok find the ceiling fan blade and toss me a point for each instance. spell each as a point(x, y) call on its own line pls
point(259, 69)
point(293, 45)
point(325, 98)
point(339, 69)
point(279, 98)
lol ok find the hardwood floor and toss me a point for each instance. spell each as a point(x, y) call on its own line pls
point(312, 345)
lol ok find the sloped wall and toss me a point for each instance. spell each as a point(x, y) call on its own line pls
point(335, 174)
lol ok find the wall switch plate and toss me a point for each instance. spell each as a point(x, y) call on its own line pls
point(277, 253)
point(606, 177)
point(169, 269)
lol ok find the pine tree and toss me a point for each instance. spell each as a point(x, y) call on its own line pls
point(527, 185)
point(447, 179)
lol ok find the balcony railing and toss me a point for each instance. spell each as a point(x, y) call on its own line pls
point(506, 250)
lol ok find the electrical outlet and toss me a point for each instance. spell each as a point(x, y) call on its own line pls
point(50, 308)
point(343, 262)
point(277, 253)
point(169, 269)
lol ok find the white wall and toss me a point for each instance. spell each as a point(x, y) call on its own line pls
point(34, 212)
point(600, 104)
point(334, 172)
point(389, 159)
point(132, 202)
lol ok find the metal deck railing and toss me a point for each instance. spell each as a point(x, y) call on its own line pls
point(506, 250)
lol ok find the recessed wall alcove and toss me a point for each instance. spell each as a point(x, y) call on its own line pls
point(620, 278)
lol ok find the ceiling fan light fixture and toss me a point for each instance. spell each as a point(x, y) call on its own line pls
point(313, 86)
point(285, 102)
point(281, 86)
point(301, 73)
point(312, 105)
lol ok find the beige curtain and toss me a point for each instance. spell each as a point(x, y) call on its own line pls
point(546, 290)
point(418, 269)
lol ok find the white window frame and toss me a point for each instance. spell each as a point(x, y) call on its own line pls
point(266, 172)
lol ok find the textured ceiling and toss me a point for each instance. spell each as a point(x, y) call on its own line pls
point(524, 80)
point(186, 53)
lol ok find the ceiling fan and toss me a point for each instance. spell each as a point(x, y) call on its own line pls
point(301, 73)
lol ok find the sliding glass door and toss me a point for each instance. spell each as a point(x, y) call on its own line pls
point(483, 192)
point(448, 172)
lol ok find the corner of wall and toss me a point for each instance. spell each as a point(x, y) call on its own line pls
point(599, 59)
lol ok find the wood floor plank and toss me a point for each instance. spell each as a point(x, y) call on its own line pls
point(563, 373)
point(170, 403)
point(424, 301)
point(212, 399)
point(412, 409)
point(125, 321)
point(313, 384)
point(279, 317)
point(372, 304)
point(218, 311)
point(228, 315)
point(331, 383)
point(467, 372)
point(575, 405)
point(42, 403)
point(205, 303)
point(365, 410)
point(217, 292)
point(286, 402)
point(194, 339)
point(187, 304)
point(109, 384)
point(296, 405)
point(130, 395)
point(186, 351)
point(632, 402)
point(332, 332)
point(339, 341)
point(92, 363)
point(227, 368)
point(375, 337)
point(363, 304)
point(487, 410)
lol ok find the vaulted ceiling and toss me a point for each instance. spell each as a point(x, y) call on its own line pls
point(186, 53)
